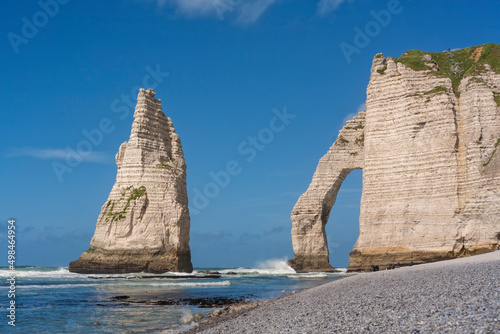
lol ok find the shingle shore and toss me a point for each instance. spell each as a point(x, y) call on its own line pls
point(455, 296)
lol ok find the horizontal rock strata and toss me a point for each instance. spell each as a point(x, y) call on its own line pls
point(431, 181)
point(311, 212)
point(144, 224)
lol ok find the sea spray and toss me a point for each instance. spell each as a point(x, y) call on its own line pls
point(267, 267)
point(275, 266)
point(186, 316)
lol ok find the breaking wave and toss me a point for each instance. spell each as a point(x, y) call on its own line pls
point(37, 272)
point(268, 267)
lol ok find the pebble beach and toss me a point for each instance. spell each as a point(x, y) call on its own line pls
point(455, 296)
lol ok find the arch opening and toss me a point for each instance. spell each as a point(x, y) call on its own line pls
point(311, 213)
point(342, 228)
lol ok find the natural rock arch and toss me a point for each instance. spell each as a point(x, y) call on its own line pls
point(429, 146)
point(311, 213)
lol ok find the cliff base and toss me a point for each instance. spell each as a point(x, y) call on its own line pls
point(305, 264)
point(126, 261)
point(364, 260)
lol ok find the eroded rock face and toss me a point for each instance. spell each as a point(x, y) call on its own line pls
point(144, 224)
point(310, 214)
point(431, 181)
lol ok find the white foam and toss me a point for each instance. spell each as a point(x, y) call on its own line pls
point(142, 274)
point(55, 286)
point(156, 283)
point(30, 272)
point(268, 267)
point(309, 275)
point(188, 284)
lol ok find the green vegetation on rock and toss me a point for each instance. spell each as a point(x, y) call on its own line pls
point(496, 96)
point(342, 140)
point(360, 140)
point(491, 56)
point(134, 194)
point(110, 202)
point(492, 154)
point(171, 167)
point(455, 64)
point(437, 90)
point(164, 166)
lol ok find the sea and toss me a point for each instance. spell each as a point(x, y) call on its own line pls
point(53, 300)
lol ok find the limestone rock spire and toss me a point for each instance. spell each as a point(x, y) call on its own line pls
point(144, 225)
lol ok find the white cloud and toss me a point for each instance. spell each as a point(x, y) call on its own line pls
point(190, 7)
point(250, 11)
point(362, 107)
point(348, 117)
point(274, 230)
point(57, 154)
point(244, 12)
point(325, 7)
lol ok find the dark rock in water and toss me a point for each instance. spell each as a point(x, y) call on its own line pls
point(231, 273)
point(209, 302)
point(157, 277)
point(121, 297)
point(209, 272)
point(179, 277)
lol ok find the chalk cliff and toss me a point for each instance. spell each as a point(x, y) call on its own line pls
point(144, 224)
point(427, 145)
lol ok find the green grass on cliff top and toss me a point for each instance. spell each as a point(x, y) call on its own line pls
point(455, 64)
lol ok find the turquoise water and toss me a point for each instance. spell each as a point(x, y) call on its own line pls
point(53, 300)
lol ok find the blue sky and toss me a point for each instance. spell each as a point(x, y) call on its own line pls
point(222, 68)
